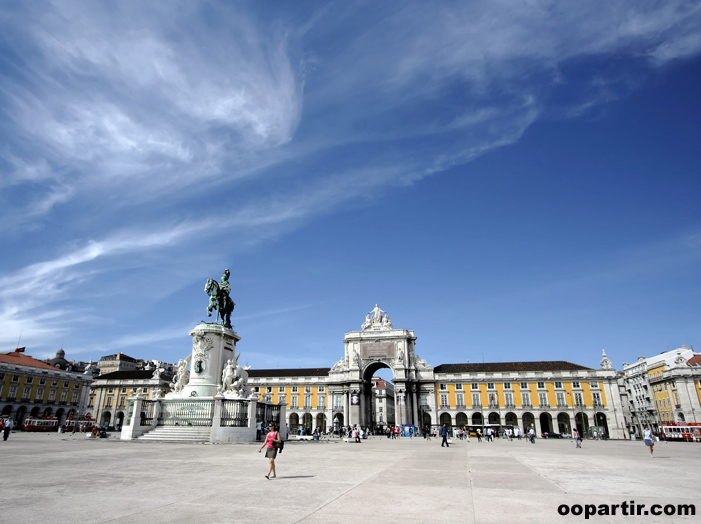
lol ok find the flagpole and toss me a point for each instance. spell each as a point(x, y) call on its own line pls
point(20, 337)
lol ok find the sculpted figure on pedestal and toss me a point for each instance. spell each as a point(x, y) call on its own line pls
point(376, 321)
point(386, 322)
point(377, 314)
point(182, 375)
point(228, 377)
point(368, 322)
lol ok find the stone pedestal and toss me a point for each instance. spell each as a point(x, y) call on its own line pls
point(212, 346)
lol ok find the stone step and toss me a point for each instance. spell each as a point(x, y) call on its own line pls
point(178, 434)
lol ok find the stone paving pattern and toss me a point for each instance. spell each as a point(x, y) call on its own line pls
point(65, 478)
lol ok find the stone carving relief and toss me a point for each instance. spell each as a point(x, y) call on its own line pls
point(201, 344)
point(605, 362)
point(680, 360)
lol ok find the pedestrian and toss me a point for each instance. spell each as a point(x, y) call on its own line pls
point(649, 442)
point(271, 439)
point(444, 434)
point(479, 435)
point(531, 435)
point(6, 429)
point(577, 438)
point(259, 429)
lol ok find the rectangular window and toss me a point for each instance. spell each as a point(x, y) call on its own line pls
point(121, 402)
point(543, 399)
point(578, 399)
point(124, 390)
point(444, 400)
point(13, 392)
point(474, 385)
point(74, 397)
point(524, 385)
point(526, 400)
point(509, 398)
point(27, 391)
point(64, 395)
point(76, 386)
point(443, 387)
point(476, 400)
point(307, 389)
point(575, 384)
point(380, 409)
point(338, 400)
point(294, 389)
point(493, 401)
point(52, 395)
point(108, 402)
point(460, 400)
point(322, 389)
point(593, 384)
point(269, 389)
point(54, 383)
point(560, 400)
point(42, 381)
point(458, 387)
point(307, 401)
point(40, 393)
point(490, 385)
point(507, 385)
point(29, 380)
point(15, 378)
point(558, 385)
point(293, 402)
point(110, 390)
point(597, 399)
point(541, 385)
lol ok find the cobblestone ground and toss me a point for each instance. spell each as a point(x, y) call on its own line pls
point(63, 478)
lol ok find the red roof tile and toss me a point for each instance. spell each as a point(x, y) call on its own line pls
point(21, 359)
point(694, 361)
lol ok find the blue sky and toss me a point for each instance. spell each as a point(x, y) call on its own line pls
point(510, 180)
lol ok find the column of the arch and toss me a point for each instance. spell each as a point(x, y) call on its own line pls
point(346, 410)
point(415, 405)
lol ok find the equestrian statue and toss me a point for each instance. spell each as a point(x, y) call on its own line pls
point(219, 299)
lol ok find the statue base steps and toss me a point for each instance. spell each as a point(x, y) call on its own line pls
point(178, 434)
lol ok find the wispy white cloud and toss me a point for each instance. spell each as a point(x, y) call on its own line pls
point(133, 119)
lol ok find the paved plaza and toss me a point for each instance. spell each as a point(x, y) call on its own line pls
point(64, 478)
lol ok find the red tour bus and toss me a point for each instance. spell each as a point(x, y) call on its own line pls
point(681, 431)
point(84, 424)
point(41, 424)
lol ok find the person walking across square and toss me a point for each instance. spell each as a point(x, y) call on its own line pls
point(444, 434)
point(271, 438)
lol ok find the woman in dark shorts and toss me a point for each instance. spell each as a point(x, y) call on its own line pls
point(271, 451)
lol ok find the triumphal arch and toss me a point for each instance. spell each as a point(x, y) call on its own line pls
point(378, 345)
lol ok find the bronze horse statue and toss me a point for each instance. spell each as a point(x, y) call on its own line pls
point(220, 301)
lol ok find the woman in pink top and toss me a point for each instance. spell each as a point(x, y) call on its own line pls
point(271, 438)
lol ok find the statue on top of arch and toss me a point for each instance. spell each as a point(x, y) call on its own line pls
point(375, 320)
